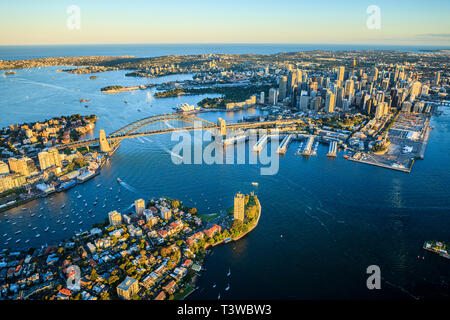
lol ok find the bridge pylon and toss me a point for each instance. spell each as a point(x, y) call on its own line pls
point(222, 126)
point(104, 145)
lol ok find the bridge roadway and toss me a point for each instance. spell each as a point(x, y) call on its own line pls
point(132, 130)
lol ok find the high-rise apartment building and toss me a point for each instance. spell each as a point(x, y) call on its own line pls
point(115, 218)
point(239, 206)
point(139, 206)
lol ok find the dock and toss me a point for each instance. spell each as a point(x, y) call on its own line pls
point(332, 150)
point(284, 144)
point(307, 151)
point(235, 139)
point(261, 143)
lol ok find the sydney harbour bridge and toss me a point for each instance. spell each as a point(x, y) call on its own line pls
point(167, 123)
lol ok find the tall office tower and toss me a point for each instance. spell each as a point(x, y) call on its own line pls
point(368, 105)
point(115, 218)
point(382, 109)
point(299, 76)
point(139, 206)
point(374, 74)
point(349, 87)
point(292, 81)
point(339, 96)
point(317, 103)
point(261, 97)
point(379, 97)
point(415, 88)
point(424, 90)
point(330, 102)
point(437, 78)
point(282, 84)
point(313, 86)
point(340, 73)
point(273, 96)
point(23, 165)
point(4, 167)
point(345, 105)
point(385, 84)
point(239, 203)
point(304, 101)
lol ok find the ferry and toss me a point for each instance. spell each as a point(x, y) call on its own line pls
point(66, 185)
point(118, 180)
point(255, 184)
point(86, 176)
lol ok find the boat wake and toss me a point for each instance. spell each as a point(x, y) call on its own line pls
point(128, 187)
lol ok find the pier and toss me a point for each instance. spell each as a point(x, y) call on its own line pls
point(235, 139)
point(284, 144)
point(307, 151)
point(261, 143)
point(332, 150)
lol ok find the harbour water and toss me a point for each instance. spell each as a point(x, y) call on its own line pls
point(324, 220)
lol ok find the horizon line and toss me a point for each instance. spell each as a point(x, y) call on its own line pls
point(226, 43)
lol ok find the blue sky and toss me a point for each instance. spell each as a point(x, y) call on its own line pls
point(245, 21)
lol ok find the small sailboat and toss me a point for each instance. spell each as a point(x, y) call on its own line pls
point(46, 229)
point(34, 228)
point(18, 240)
point(38, 235)
point(65, 228)
point(214, 285)
point(79, 196)
point(229, 272)
point(227, 288)
point(218, 298)
point(63, 206)
point(28, 240)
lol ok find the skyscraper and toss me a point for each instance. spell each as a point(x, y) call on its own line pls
point(273, 96)
point(330, 102)
point(282, 85)
point(437, 78)
point(340, 73)
point(239, 203)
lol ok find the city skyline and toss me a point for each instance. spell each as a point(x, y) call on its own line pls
point(290, 22)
